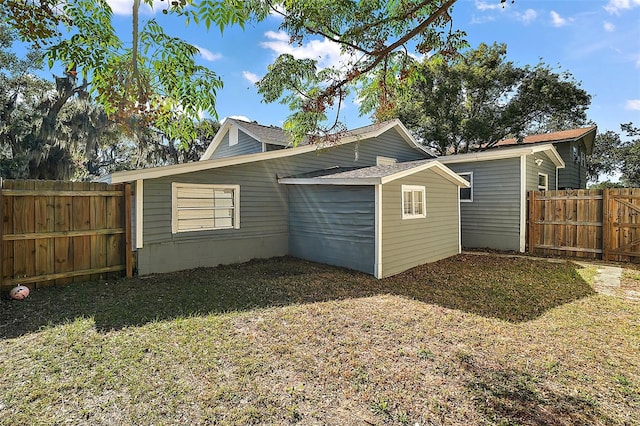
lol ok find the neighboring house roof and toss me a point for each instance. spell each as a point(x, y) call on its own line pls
point(588, 133)
point(363, 133)
point(372, 175)
point(505, 152)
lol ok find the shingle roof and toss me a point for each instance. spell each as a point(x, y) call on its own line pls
point(561, 136)
point(372, 175)
point(269, 134)
point(361, 172)
point(277, 136)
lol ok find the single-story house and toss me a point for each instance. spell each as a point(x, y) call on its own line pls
point(573, 145)
point(373, 200)
point(493, 210)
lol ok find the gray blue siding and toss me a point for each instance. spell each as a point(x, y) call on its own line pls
point(492, 220)
point(246, 145)
point(412, 242)
point(333, 224)
point(547, 167)
point(574, 175)
point(264, 210)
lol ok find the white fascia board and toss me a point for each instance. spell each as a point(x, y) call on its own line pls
point(551, 151)
point(438, 167)
point(330, 181)
point(216, 140)
point(162, 171)
point(499, 154)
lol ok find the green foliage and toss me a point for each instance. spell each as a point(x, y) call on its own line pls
point(630, 155)
point(607, 184)
point(606, 156)
point(374, 38)
point(155, 83)
point(479, 97)
point(158, 82)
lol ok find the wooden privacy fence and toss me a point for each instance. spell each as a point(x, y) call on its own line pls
point(602, 224)
point(56, 232)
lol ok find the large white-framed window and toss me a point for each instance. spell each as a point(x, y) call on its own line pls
point(466, 194)
point(204, 207)
point(414, 202)
point(543, 181)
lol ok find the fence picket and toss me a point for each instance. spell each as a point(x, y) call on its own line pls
point(59, 232)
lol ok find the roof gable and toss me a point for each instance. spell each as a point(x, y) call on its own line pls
point(361, 134)
point(263, 134)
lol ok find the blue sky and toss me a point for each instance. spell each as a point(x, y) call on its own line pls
point(597, 41)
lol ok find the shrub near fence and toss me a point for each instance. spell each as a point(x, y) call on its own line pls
point(56, 232)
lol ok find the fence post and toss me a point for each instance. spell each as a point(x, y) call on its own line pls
point(532, 226)
point(127, 230)
point(606, 228)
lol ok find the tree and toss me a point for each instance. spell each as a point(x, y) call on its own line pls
point(158, 79)
point(630, 156)
point(57, 131)
point(605, 157)
point(32, 139)
point(479, 98)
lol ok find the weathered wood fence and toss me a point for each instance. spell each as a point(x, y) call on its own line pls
point(602, 224)
point(57, 232)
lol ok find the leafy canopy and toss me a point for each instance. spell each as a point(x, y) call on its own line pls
point(479, 97)
point(157, 77)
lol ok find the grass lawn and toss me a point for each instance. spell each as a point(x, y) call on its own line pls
point(468, 340)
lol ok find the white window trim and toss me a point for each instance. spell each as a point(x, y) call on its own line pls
point(470, 180)
point(546, 178)
point(174, 205)
point(423, 189)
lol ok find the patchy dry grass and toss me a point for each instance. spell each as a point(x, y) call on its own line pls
point(468, 340)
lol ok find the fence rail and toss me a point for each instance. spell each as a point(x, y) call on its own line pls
point(56, 232)
point(586, 223)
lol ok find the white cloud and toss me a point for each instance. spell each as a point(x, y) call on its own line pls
point(528, 16)
point(615, 6)
point(482, 19)
point(125, 7)
point(559, 21)
point(326, 52)
point(483, 5)
point(633, 104)
point(208, 55)
point(251, 77)
point(608, 26)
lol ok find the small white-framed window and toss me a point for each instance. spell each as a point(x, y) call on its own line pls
point(466, 194)
point(543, 181)
point(204, 207)
point(414, 202)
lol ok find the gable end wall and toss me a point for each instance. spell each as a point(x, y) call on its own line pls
point(412, 242)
